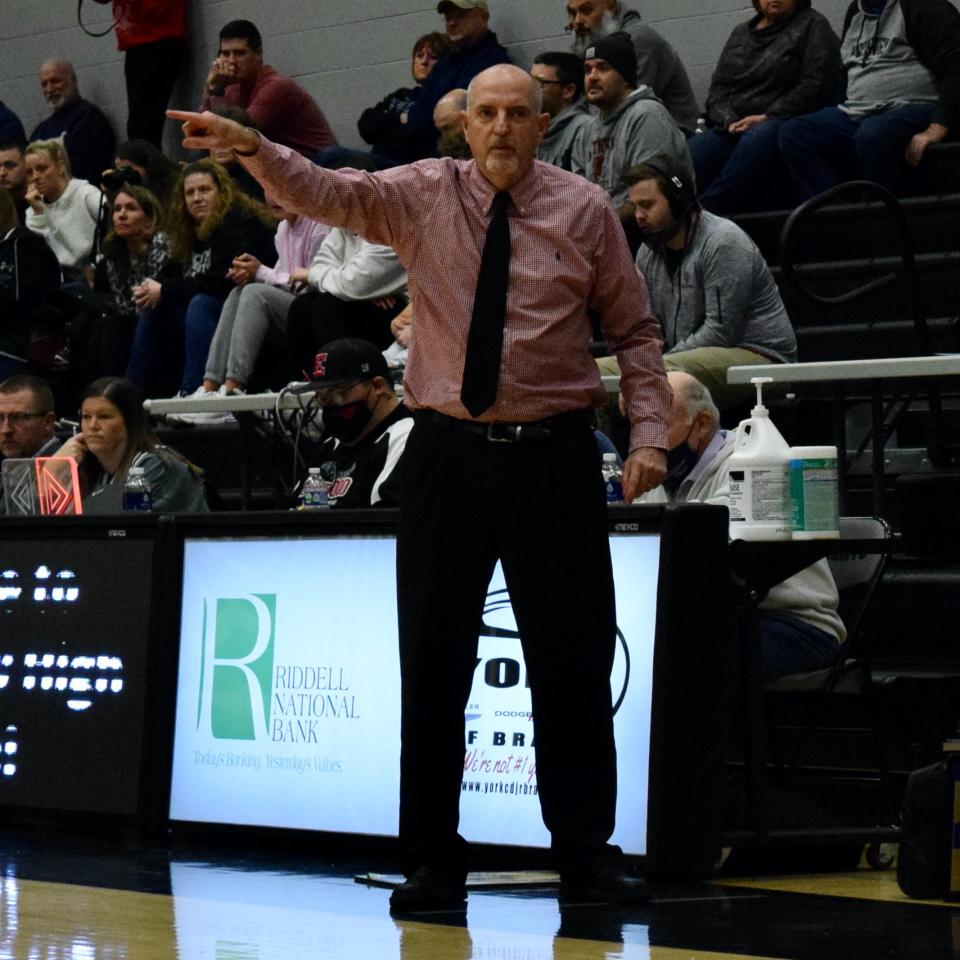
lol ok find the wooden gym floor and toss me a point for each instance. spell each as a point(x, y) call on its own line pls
point(64, 897)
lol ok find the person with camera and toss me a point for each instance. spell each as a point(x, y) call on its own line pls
point(139, 163)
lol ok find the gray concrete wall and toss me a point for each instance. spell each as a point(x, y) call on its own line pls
point(347, 53)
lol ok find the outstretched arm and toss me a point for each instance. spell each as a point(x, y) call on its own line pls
point(207, 131)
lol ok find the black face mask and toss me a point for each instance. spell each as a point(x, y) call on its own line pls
point(347, 421)
point(680, 462)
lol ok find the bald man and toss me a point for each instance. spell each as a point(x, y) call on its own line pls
point(503, 389)
point(446, 118)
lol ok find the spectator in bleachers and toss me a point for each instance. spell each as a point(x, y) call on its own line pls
point(783, 62)
point(28, 273)
point(257, 307)
point(800, 628)
point(632, 125)
point(63, 208)
point(134, 250)
point(209, 225)
point(356, 289)
point(560, 76)
point(714, 295)
point(902, 62)
point(278, 106)
point(115, 436)
point(86, 131)
point(10, 126)
point(158, 173)
point(152, 37)
point(475, 48)
point(658, 65)
point(13, 173)
point(367, 425)
point(446, 118)
point(26, 419)
point(383, 125)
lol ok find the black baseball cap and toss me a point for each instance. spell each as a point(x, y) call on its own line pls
point(348, 359)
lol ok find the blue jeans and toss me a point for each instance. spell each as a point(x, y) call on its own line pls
point(200, 323)
point(789, 645)
point(825, 148)
point(172, 337)
point(737, 173)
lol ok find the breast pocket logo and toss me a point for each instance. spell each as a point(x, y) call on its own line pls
point(239, 637)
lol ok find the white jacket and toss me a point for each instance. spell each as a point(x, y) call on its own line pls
point(351, 268)
point(69, 223)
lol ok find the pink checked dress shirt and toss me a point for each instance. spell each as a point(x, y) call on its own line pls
point(569, 258)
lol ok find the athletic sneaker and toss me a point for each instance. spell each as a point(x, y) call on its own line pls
point(204, 418)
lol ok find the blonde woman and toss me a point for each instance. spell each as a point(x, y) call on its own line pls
point(62, 209)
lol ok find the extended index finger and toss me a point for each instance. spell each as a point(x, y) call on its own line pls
point(193, 124)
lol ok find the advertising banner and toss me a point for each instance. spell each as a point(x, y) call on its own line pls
point(288, 698)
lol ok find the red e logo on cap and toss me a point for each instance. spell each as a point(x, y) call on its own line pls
point(320, 366)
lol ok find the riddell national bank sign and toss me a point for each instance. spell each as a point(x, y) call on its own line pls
point(288, 697)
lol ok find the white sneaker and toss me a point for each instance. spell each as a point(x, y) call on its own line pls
point(205, 418)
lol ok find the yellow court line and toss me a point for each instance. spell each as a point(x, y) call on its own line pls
point(876, 885)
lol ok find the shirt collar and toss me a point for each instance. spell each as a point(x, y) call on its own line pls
point(521, 193)
point(706, 458)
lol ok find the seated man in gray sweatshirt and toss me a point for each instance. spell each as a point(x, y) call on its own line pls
point(800, 629)
point(717, 303)
point(632, 125)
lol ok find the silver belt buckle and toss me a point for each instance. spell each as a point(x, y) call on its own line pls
point(512, 431)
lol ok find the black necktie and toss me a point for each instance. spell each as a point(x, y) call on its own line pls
point(481, 368)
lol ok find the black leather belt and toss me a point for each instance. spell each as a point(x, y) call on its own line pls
point(529, 431)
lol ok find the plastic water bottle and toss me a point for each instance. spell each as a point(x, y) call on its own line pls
point(313, 493)
point(759, 472)
point(136, 491)
point(613, 478)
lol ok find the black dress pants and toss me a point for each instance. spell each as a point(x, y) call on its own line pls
point(539, 508)
point(151, 71)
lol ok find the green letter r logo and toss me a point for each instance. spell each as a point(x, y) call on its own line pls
point(237, 667)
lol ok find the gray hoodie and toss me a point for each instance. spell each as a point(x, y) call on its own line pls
point(558, 142)
point(721, 295)
point(638, 130)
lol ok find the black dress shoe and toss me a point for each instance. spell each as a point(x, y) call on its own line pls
point(606, 884)
point(430, 888)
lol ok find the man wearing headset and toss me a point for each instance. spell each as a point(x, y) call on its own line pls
point(709, 285)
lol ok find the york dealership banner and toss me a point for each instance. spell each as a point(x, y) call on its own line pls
point(288, 699)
